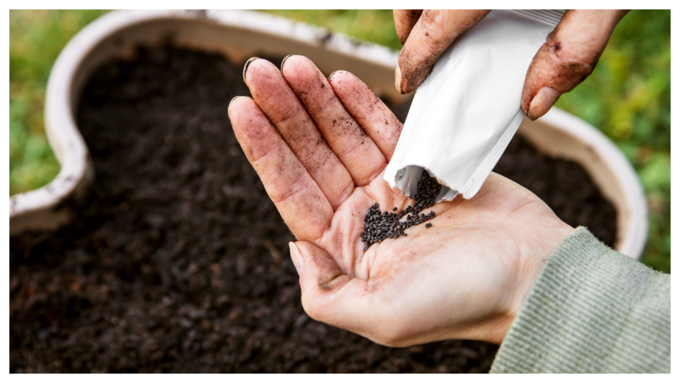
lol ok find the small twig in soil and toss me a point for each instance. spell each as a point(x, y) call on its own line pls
point(272, 250)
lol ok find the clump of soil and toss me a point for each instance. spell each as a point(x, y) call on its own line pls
point(379, 226)
point(179, 261)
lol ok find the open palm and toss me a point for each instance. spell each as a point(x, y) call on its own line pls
point(320, 147)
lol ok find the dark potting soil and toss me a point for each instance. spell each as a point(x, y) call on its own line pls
point(562, 184)
point(178, 260)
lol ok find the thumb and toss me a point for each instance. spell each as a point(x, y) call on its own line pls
point(316, 268)
point(429, 38)
point(568, 56)
point(328, 294)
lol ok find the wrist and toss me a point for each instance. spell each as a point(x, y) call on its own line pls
point(529, 270)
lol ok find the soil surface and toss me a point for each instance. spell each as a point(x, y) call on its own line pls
point(179, 261)
point(564, 185)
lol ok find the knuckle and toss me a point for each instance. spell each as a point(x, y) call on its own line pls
point(564, 66)
point(291, 192)
point(439, 26)
point(433, 20)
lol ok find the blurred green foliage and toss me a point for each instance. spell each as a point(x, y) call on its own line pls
point(369, 25)
point(36, 38)
point(627, 96)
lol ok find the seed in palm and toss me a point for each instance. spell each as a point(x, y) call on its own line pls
point(379, 226)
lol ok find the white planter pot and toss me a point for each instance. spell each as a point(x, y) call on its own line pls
point(239, 35)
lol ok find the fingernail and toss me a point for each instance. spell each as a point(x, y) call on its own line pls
point(544, 99)
point(232, 100)
point(329, 77)
point(397, 79)
point(284, 60)
point(296, 257)
point(245, 67)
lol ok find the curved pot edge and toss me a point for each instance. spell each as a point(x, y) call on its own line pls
point(41, 208)
point(635, 236)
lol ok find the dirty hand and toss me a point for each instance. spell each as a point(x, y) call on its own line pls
point(320, 147)
point(568, 56)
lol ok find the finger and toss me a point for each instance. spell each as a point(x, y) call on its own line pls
point(298, 198)
point(432, 34)
point(568, 56)
point(349, 142)
point(332, 297)
point(404, 20)
point(377, 120)
point(278, 102)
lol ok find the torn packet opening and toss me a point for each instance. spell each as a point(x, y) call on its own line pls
point(465, 113)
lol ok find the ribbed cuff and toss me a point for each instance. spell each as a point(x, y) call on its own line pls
point(591, 309)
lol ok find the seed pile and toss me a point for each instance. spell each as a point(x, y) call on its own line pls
point(175, 261)
point(382, 225)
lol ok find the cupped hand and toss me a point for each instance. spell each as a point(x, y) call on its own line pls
point(568, 56)
point(320, 147)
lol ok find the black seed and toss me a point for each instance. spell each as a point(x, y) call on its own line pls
point(382, 225)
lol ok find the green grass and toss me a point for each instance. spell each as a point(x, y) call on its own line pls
point(627, 96)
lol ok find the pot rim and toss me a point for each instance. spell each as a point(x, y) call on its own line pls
point(40, 208)
point(636, 229)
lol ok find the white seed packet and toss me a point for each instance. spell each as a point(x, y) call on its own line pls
point(465, 113)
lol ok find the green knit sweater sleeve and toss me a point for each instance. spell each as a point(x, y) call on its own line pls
point(593, 310)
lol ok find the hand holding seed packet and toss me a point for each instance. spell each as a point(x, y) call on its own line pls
point(321, 147)
point(403, 271)
point(473, 70)
point(567, 57)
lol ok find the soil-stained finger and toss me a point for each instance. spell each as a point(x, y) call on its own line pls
point(278, 102)
point(360, 155)
point(368, 110)
point(435, 30)
point(298, 198)
point(568, 56)
point(404, 20)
